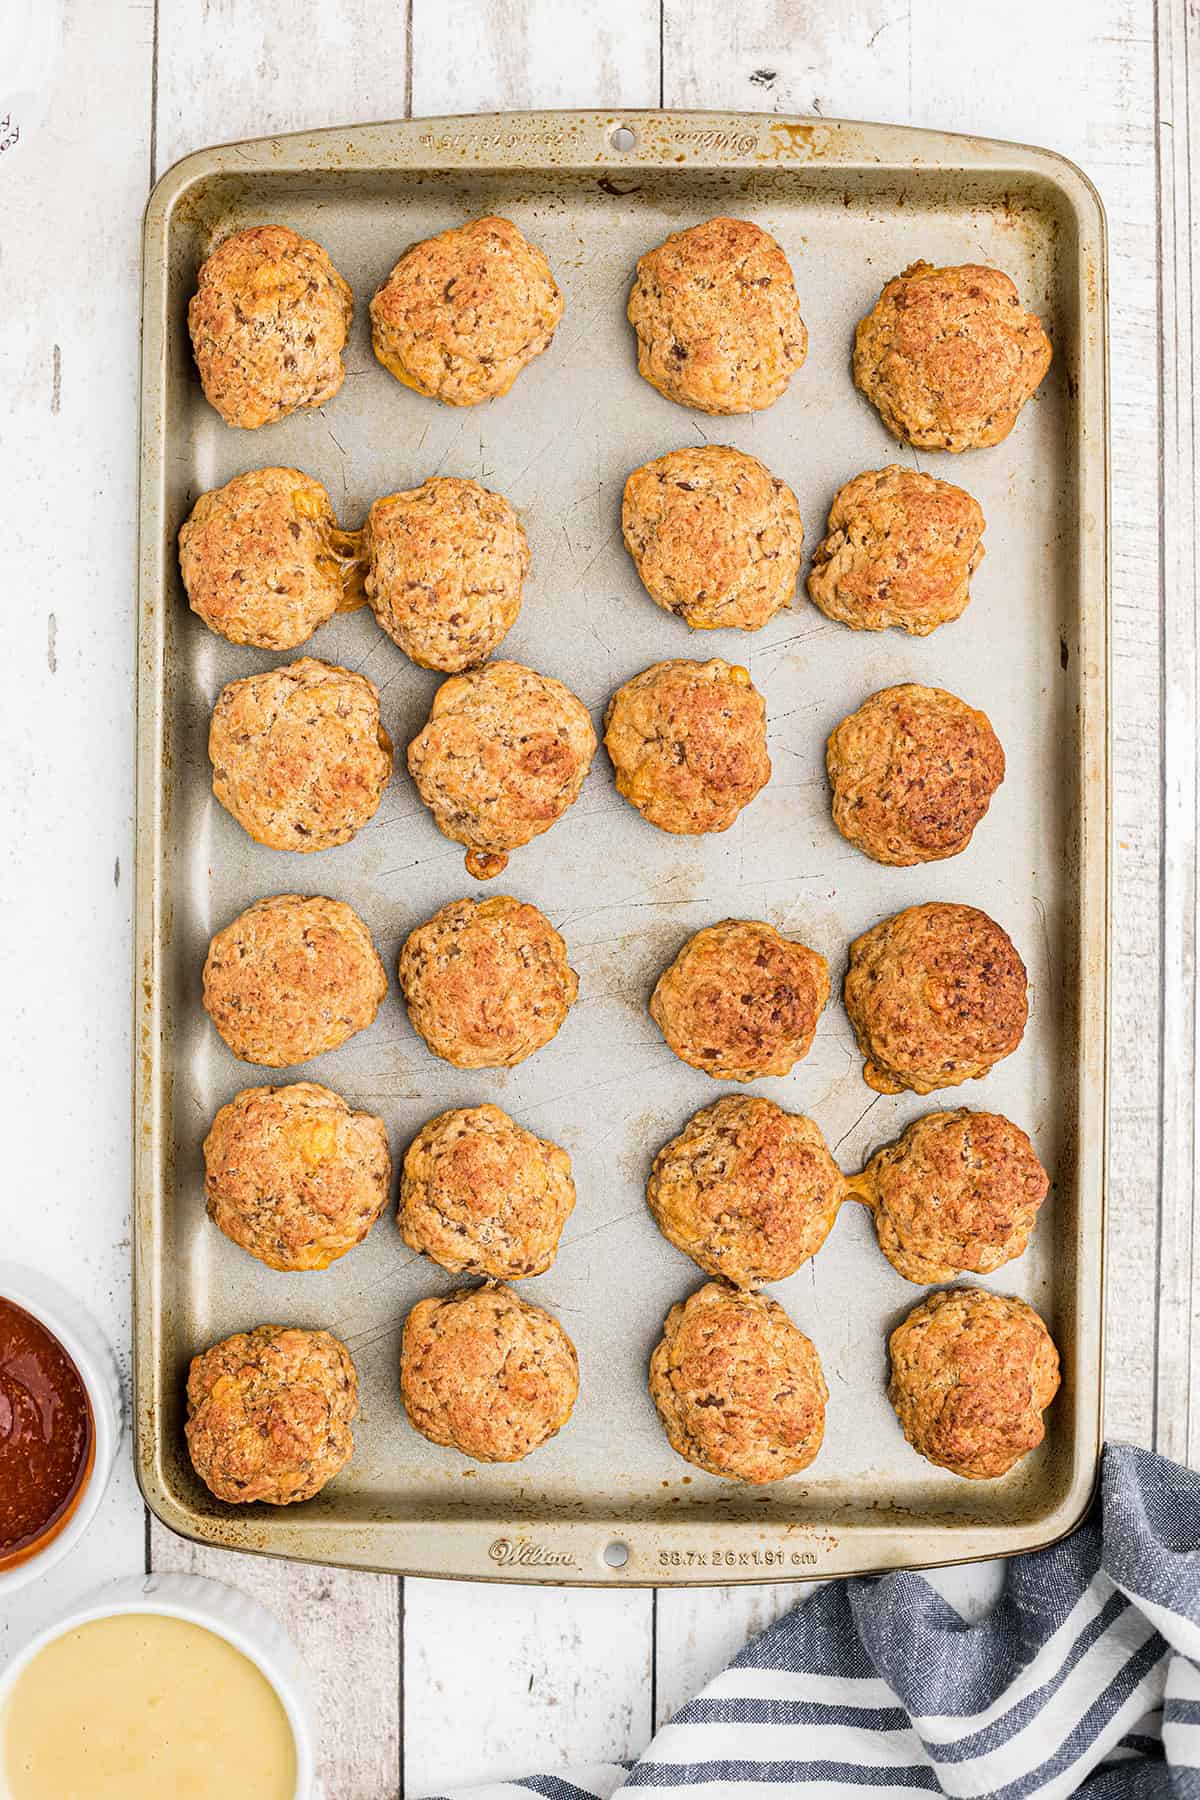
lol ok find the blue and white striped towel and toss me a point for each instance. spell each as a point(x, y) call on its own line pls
point(1085, 1678)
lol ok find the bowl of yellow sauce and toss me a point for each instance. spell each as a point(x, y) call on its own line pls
point(160, 1685)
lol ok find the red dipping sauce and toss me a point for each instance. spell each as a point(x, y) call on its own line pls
point(47, 1439)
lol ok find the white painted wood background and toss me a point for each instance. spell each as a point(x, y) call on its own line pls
point(433, 1684)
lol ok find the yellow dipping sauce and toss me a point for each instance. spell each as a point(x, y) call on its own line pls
point(142, 1707)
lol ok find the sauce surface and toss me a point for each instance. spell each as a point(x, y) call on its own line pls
point(46, 1435)
point(142, 1707)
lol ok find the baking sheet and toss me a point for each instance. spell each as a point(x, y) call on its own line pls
point(851, 205)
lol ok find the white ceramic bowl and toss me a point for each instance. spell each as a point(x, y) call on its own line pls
point(223, 1610)
point(92, 1355)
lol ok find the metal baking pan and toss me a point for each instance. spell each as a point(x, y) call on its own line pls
point(851, 204)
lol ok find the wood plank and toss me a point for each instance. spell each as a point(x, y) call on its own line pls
point(555, 1676)
point(350, 1636)
point(225, 73)
point(1113, 137)
point(700, 1631)
point(793, 56)
point(533, 53)
point(72, 186)
point(1089, 91)
point(1177, 1405)
point(228, 72)
point(510, 1681)
point(347, 1628)
point(764, 55)
point(1102, 56)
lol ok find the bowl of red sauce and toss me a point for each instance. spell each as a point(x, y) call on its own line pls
point(60, 1423)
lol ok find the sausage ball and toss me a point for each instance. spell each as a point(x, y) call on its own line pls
point(936, 995)
point(740, 1001)
point(500, 759)
point(444, 567)
point(738, 1387)
point(269, 321)
point(958, 1191)
point(715, 536)
point(262, 559)
point(950, 356)
point(717, 319)
point(688, 743)
point(913, 771)
point(269, 1413)
point(292, 977)
point(900, 551)
point(746, 1190)
point(462, 313)
point(972, 1374)
point(484, 1372)
point(294, 1176)
point(483, 1196)
point(299, 756)
point(486, 982)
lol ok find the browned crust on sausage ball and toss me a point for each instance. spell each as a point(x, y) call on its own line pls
point(715, 536)
point(899, 551)
point(972, 1374)
point(717, 318)
point(502, 756)
point(269, 320)
point(294, 1175)
point(486, 982)
point(269, 1413)
point(688, 743)
point(258, 560)
point(291, 977)
point(740, 1000)
point(957, 1192)
point(738, 1386)
point(445, 564)
point(936, 995)
point(748, 1191)
point(483, 1196)
point(913, 771)
point(462, 313)
point(300, 758)
point(950, 356)
point(484, 1372)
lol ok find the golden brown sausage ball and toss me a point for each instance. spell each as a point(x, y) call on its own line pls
point(715, 536)
point(958, 1191)
point(445, 564)
point(741, 1001)
point(484, 1372)
point(269, 1413)
point(294, 1176)
point(262, 559)
point(950, 356)
point(738, 1386)
point(688, 743)
point(502, 756)
point(936, 995)
point(299, 756)
point(899, 551)
point(972, 1374)
point(748, 1191)
point(717, 318)
point(462, 313)
point(486, 982)
point(913, 771)
point(291, 977)
point(269, 321)
point(483, 1196)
